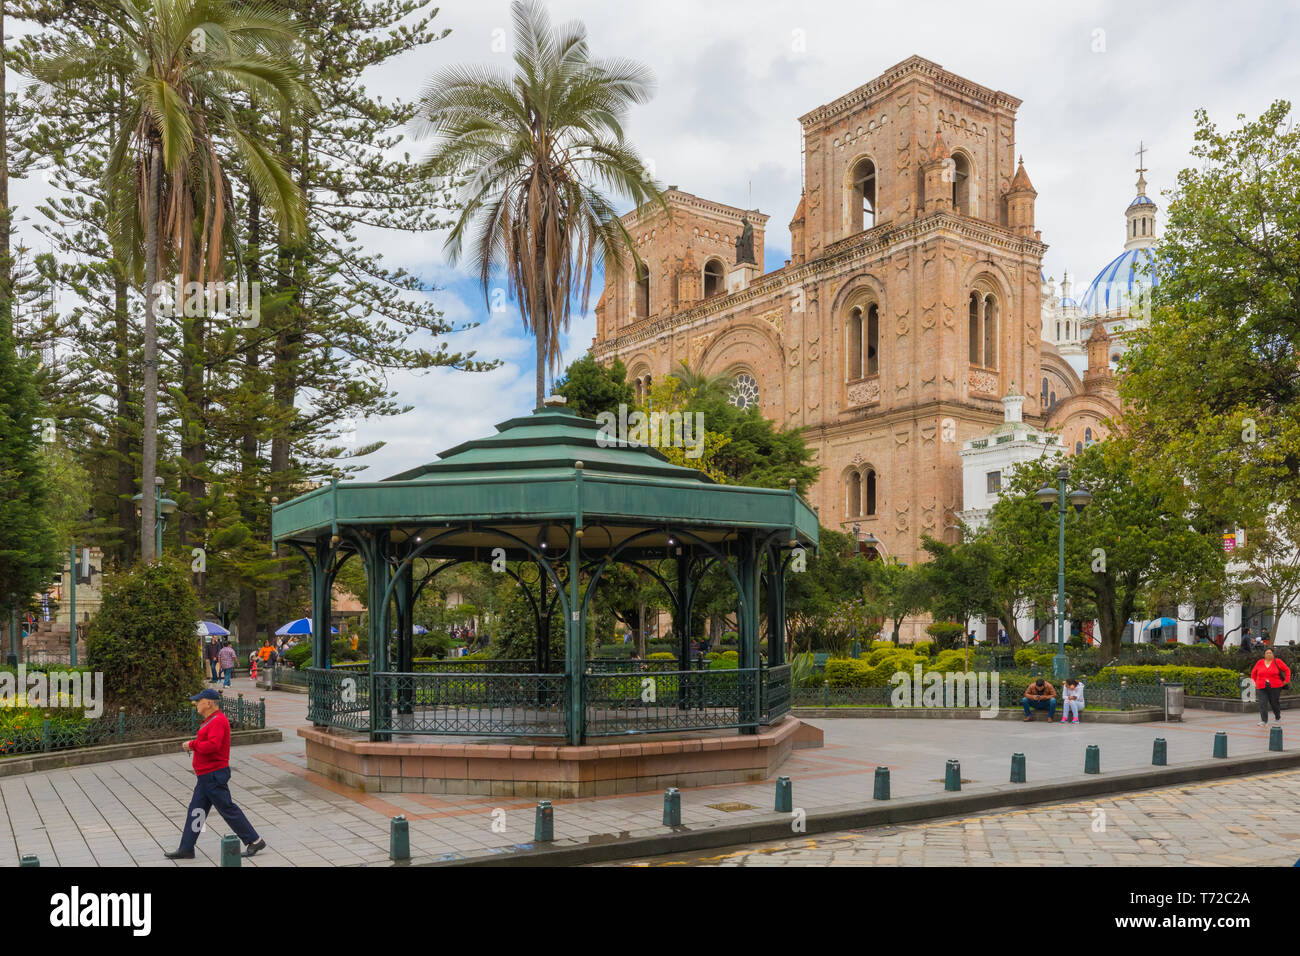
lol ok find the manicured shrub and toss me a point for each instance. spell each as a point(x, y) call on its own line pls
point(945, 633)
point(143, 640)
point(661, 656)
point(924, 648)
point(299, 656)
point(1206, 681)
point(846, 672)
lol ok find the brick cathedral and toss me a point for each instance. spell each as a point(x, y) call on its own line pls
point(912, 302)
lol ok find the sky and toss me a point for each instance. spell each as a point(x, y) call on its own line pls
point(1096, 79)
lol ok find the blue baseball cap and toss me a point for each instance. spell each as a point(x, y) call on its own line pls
point(206, 694)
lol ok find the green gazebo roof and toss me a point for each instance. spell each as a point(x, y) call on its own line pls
point(546, 470)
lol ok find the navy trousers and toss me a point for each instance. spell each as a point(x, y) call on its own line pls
point(213, 790)
point(1048, 705)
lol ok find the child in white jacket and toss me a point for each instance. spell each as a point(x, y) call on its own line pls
point(1073, 699)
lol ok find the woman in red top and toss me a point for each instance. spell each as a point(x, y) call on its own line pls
point(1270, 676)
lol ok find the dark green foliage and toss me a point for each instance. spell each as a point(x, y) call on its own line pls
point(516, 636)
point(299, 656)
point(590, 388)
point(144, 640)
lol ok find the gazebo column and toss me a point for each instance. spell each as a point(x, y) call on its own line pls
point(404, 598)
point(543, 618)
point(319, 699)
point(775, 609)
point(747, 623)
point(381, 702)
point(575, 646)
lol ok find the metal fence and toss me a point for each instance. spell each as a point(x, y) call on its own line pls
point(644, 697)
point(43, 732)
point(1112, 696)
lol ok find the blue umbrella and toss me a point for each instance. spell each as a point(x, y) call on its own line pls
point(300, 626)
point(212, 629)
point(1161, 622)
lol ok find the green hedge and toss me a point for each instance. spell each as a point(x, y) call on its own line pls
point(661, 656)
point(1207, 681)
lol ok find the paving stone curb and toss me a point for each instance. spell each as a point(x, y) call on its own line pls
point(143, 748)
point(656, 842)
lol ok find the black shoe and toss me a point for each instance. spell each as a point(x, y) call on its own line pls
point(180, 855)
point(253, 848)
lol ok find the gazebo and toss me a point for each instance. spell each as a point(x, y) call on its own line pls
point(551, 491)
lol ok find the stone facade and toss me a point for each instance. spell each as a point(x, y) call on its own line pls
point(909, 307)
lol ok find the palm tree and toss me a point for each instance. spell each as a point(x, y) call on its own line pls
point(699, 386)
point(527, 151)
point(188, 64)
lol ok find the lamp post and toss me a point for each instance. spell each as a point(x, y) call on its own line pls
point(1079, 498)
point(162, 508)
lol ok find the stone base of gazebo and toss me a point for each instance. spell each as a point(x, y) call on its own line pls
point(531, 769)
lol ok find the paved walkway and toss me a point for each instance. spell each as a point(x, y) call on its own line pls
point(129, 812)
point(1248, 821)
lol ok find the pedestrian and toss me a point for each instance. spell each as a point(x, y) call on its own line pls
point(1039, 695)
point(210, 654)
point(211, 750)
point(226, 660)
point(1246, 642)
point(1270, 676)
point(1073, 699)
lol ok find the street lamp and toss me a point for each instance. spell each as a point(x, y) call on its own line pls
point(1079, 498)
point(162, 508)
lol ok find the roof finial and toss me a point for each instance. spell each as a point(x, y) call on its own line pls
point(1142, 168)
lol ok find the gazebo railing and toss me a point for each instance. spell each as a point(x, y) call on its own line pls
point(655, 702)
point(522, 705)
point(652, 698)
point(339, 698)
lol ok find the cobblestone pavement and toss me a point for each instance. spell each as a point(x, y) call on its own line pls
point(1248, 821)
point(128, 812)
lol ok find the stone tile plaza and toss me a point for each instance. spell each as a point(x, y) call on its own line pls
point(541, 433)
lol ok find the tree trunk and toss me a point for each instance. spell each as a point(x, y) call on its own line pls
point(247, 625)
point(542, 348)
point(124, 445)
point(640, 637)
point(149, 438)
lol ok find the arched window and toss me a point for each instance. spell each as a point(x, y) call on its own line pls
point(961, 180)
point(983, 318)
point(1058, 331)
point(975, 337)
point(1044, 395)
point(853, 347)
point(990, 332)
point(870, 488)
point(1087, 437)
point(853, 495)
point(862, 196)
point(873, 340)
point(1053, 402)
point(642, 291)
point(1078, 447)
point(714, 280)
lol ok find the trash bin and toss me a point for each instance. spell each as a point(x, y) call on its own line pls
point(1174, 694)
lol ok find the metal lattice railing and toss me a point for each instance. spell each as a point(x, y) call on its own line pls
point(32, 731)
point(776, 692)
point(671, 700)
point(339, 698)
point(473, 704)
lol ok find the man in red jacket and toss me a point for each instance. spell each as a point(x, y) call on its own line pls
point(211, 749)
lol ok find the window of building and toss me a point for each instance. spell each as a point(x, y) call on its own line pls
point(715, 282)
point(853, 348)
point(1078, 447)
point(1087, 437)
point(642, 291)
point(873, 340)
point(1053, 401)
point(853, 495)
point(961, 180)
point(994, 480)
point(862, 199)
point(983, 319)
point(744, 391)
point(870, 484)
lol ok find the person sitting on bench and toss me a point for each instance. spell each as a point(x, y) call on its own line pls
point(1040, 695)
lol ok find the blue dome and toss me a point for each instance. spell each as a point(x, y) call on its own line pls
point(1117, 283)
point(1069, 303)
point(1141, 201)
